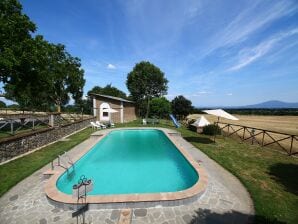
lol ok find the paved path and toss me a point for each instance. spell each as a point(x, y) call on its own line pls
point(225, 201)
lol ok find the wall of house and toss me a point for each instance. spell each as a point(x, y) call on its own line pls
point(129, 113)
point(114, 104)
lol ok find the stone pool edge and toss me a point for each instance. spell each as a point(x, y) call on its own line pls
point(130, 200)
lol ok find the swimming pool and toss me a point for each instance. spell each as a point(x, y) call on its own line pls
point(132, 161)
point(130, 167)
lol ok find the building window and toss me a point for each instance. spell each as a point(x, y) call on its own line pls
point(105, 114)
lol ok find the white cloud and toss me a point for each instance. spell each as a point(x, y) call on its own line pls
point(203, 92)
point(229, 94)
point(249, 55)
point(200, 93)
point(249, 21)
point(111, 66)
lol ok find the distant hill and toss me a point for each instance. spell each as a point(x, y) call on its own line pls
point(272, 104)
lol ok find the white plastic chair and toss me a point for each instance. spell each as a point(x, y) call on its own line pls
point(112, 125)
point(100, 124)
point(144, 122)
point(95, 126)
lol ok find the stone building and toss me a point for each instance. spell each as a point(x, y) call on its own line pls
point(110, 108)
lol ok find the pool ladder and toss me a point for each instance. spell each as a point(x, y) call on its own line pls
point(64, 161)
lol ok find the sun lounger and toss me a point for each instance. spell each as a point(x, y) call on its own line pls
point(95, 126)
point(100, 124)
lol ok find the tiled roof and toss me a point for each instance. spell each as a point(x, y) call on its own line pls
point(111, 97)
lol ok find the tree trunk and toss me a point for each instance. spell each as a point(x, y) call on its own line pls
point(58, 108)
point(148, 107)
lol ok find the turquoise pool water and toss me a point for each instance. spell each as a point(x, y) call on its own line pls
point(132, 161)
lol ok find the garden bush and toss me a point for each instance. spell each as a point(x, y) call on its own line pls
point(211, 129)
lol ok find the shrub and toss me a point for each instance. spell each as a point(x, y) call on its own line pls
point(211, 129)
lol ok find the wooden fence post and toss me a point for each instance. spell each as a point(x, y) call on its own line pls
point(291, 147)
point(263, 138)
point(11, 127)
point(252, 134)
point(243, 136)
point(33, 123)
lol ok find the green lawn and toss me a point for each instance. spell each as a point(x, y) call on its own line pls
point(270, 177)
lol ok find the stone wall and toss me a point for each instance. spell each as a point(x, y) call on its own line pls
point(22, 143)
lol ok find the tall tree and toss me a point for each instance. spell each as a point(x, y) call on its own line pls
point(146, 81)
point(35, 73)
point(28, 85)
point(181, 106)
point(2, 104)
point(15, 35)
point(108, 90)
point(50, 75)
point(66, 79)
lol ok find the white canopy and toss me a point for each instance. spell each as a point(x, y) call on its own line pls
point(110, 110)
point(221, 113)
point(201, 122)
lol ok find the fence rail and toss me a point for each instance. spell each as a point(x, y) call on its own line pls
point(280, 140)
point(12, 121)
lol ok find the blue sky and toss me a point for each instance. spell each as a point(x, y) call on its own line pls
point(213, 52)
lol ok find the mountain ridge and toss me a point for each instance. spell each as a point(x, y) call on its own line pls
point(272, 104)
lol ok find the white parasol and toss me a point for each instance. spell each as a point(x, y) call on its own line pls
point(221, 113)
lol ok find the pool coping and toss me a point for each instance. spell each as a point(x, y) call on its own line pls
point(158, 198)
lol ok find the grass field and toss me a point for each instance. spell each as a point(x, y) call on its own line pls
point(284, 124)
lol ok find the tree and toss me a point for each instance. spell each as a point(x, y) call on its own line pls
point(108, 90)
point(50, 75)
point(15, 30)
point(66, 79)
point(35, 73)
point(160, 107)
point(146, 81)
point(84, 105)
point(2, 104)
point(181, 106)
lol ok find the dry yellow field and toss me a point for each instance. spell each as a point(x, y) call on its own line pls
point(284, 124)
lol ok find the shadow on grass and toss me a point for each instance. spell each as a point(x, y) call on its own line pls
point(210, 217)
point(198, 139)
point(286, 174)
